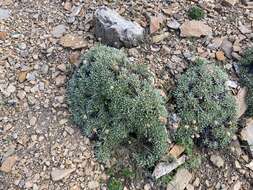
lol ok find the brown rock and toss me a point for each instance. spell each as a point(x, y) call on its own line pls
point(194, 29)
point(176, 150)
point(241, 102)
point(8, 164)
point(22, 76)
point(155, 23)
point(73, 41)
point(74, 58)
point(67, 5)
point(3, 35)
point(220, 56)
point(227, 48)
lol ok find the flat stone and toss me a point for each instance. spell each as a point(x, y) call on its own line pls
point(217, 161)
point(241, 102)
point(73, 41)
point(8, 163)
point(181, 180)
point(58, 31)
point(227, 47)
point(244, 29)
point(195, 29)
point(115, 30)
point(163, 168)
point(160, 37)
point(58, 174)
point(230, 2)
point(247, 134)
point(4, 14)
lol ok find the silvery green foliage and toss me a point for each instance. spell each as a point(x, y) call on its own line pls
point(246, 71)
point(205, 105)
point(116, 100)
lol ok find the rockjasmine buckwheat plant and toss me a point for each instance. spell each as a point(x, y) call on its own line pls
point(115, 100)
point(205, 106)
point(246, 72)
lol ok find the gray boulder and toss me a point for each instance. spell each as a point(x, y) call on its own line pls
point(116, 31)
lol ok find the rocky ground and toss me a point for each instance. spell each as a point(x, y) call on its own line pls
point(41, 42)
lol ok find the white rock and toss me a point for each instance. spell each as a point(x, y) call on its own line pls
point(58, 31)
point(115, 30)
point(165, 168)
point(231, 84)
point(173, 24)
point(4, 14)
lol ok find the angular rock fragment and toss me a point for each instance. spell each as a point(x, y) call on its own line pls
point(227, 47)
point(58, 174)
point(181, 180)
point(176, 150)
point(115, 30)
point(8, 163)
point(195, 28)
point(160, 37)
point(165, 168)
point(230, 2)
point(73, 41)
